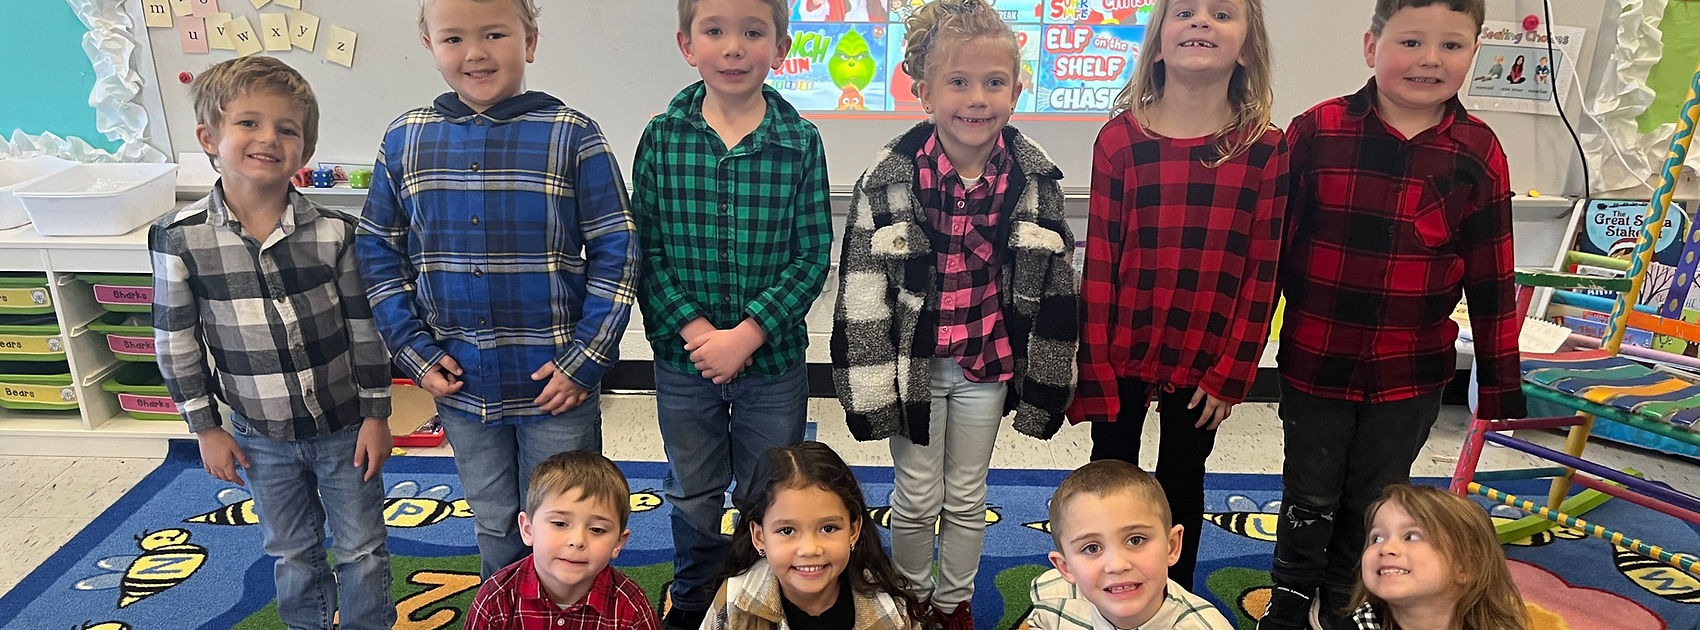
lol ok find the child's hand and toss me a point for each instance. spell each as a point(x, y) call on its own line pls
point(443, 378)
point(722, 354)
point(1215, 410)
point(695, 329)
point(561, 393)
point(220, 455)
point(372, 447)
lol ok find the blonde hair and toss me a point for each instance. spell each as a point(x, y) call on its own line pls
point(1101, 479)
point(781, 17)
point(939, 29)
point(1251, 90)
point(232, 78)
point(592, 475)
point(527, 14)
point(1461, 532)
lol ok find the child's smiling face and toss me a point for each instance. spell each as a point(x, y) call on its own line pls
point(806, 535)
point(1117, 550)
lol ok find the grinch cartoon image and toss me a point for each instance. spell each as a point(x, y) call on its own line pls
point(852, 64)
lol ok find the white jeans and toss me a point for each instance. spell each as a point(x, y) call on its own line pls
point(943, 485)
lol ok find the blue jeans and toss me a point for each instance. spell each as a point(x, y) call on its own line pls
point(495, 462)
point(714, 434)
point(298, 487)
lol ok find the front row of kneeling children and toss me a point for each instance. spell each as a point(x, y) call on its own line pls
point(804, 555)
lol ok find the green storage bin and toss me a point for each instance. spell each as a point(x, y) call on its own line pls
point(31, 338)
point(128, 335)
point(24, 294)
point(121, 293)
point(141, 392)
point(36, 386)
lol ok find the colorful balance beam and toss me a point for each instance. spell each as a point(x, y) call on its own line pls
point(1617, 539)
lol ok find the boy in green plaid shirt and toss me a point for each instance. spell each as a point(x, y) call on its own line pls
point(730, 201)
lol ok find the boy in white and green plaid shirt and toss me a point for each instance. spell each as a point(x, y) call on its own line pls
point(1115, 541)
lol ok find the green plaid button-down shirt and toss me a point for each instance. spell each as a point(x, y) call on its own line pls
point(730, 234)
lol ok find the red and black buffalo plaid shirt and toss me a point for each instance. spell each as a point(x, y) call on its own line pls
point(1384, 235)
point(513, 599)
point(1181, 261)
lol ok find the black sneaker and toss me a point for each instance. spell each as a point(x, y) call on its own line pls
point(681, 619)
point(1289, 609)
point(1329, 612)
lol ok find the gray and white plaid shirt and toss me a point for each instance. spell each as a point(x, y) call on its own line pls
point(280, 331)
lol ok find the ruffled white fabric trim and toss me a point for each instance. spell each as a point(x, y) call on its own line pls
point(1621, 157)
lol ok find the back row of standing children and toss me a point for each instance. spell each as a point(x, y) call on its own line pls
point(501, 260)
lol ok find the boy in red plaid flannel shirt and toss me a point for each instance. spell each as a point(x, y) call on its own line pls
point(1400, 204)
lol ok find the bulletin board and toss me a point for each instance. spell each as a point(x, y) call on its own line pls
point(79, 84)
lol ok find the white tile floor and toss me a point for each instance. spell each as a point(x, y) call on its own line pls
point(44, 501)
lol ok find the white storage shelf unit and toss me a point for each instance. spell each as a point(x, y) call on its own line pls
point(98, 427)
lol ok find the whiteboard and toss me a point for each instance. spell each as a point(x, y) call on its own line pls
point(617, 61)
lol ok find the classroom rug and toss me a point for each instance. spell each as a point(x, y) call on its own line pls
point(180, 551)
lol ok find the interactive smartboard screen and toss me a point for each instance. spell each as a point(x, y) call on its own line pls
point(847, 55)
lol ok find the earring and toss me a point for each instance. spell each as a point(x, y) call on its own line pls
point(761, 552)
point(852, 546)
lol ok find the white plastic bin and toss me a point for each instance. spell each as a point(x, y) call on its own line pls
point(99, 199)
point(14, 174)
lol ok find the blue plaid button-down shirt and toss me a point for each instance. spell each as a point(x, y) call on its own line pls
point(502, 239)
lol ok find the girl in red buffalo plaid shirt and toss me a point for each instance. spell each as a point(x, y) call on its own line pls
point(1188, 191)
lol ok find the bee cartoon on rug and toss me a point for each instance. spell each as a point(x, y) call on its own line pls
point(238, 510)
point(645, 500)
point(1657, 577)
point(167, 559)
point(1246, 518)
point(405, 505)
point(1502, 514)
point(881, 515)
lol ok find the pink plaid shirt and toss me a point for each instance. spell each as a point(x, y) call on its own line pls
point(964, 230)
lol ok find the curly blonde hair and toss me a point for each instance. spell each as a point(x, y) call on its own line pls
point(1251, 91)
point(939, 29)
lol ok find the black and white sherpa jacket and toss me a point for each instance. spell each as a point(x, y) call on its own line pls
point(888, 289)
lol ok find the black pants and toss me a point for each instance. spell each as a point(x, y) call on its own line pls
point(1340, 454)
point(1181, 451)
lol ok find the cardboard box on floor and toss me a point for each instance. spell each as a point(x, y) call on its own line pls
point(410, 408)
